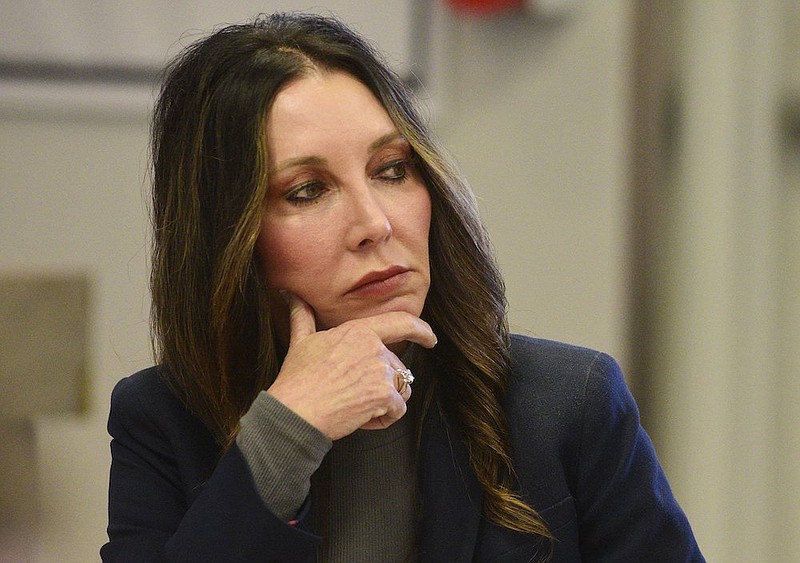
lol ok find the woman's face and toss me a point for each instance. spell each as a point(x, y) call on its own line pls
point(346, 219)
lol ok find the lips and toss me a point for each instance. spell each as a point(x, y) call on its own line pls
point(381, 281)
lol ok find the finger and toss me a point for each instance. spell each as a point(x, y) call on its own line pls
point(398, 326)
point(396, 407)
point(405, 391)
point(301, 318)
point(395, 412)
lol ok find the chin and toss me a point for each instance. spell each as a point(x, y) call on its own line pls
point(410, 305)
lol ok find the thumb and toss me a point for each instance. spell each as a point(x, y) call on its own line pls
point(301, 318)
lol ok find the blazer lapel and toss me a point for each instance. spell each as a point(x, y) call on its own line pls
point(451, 496)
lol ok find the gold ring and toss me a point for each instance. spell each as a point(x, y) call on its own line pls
point(406, 379)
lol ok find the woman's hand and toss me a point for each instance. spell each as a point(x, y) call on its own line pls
point(344, 378)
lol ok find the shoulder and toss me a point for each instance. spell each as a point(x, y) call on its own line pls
point(555, 392)
point(147, 381)
point(144, 395)
point(550, 357)
point(150, 427)
point(556, 373)
point(146, 414)
point(574, 424)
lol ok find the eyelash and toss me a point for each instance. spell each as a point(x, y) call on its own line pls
point(402, 164)
point(400, 175)
point(293, 198)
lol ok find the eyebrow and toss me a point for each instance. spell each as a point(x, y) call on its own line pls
point(381, 141)
point(385, 140)
point(300, 161)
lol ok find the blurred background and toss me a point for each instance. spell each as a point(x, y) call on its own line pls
point(637, 163)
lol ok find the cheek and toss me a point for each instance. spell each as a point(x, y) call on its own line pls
point(275, 257)
point(423, 219)
point(288, 261)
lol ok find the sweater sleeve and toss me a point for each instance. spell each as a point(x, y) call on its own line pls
point(282, 451)
point(626, 508)
point(171, 498)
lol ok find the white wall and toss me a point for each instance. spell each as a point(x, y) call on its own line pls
point(725, 371)
point(788, 403)
point(537, 114)
point(73, 201)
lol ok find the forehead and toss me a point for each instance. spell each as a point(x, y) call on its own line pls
point(324, 106)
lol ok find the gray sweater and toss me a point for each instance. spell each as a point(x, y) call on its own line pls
point(363, 486)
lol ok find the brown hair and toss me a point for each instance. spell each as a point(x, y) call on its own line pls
point(211, 318)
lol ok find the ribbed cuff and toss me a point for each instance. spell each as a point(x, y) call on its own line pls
point(283, 450)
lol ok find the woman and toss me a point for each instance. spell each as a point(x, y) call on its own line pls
point(311, 244)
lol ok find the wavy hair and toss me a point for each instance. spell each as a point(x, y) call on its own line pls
point(212, 327)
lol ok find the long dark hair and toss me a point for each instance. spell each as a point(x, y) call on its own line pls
point(211, 319)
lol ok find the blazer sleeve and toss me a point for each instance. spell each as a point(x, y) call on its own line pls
point(626, 509)
point(170, 500)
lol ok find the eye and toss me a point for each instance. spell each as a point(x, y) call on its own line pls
point(394, 171)
point(306, 193)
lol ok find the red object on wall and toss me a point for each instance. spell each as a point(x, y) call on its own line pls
point(484, 7)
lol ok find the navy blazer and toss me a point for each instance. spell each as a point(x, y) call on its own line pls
point(581, 457)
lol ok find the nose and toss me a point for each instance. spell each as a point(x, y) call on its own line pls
point(369, 223)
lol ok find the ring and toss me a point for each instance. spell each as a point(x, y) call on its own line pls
point(406, 378)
